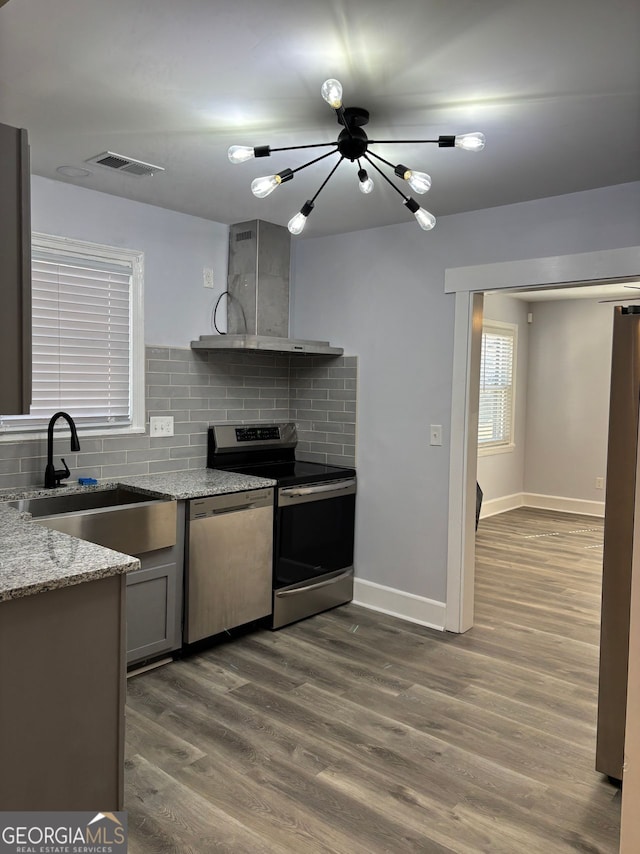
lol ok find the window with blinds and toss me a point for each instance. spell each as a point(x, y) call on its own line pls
point(497, 392)
point(84, 298)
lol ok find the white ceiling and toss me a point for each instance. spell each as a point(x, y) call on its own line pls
point(554, 85)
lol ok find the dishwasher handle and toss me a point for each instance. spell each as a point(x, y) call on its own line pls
point(224, 511)
point(221, 505)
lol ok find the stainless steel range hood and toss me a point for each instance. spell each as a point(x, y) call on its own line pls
point(258, 301)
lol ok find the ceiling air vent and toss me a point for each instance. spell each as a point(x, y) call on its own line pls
point(110, 160)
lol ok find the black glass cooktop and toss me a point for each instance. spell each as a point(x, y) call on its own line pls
point(293, 472)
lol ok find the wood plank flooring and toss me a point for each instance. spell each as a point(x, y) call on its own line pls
point(357, 733)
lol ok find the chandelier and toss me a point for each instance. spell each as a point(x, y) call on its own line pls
point(353, 144)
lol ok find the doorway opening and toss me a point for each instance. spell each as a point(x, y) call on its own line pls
point(469, 284)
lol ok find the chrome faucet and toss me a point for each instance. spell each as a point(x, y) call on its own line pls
point(52, 477)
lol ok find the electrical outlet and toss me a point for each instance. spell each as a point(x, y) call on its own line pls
point(435, 433)
point(161, 426)
point(599, 483)
point(207, 277)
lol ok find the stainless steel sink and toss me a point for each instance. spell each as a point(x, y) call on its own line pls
point(118, 518)
point(76, 502)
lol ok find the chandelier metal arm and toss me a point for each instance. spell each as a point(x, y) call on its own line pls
point(399, 169)
point(315, 160)
point(386, 178)
point(343, 119)
point(324, 183)
point(373, 154)
point(448, 141)
point(397, 141)
point(294, 147)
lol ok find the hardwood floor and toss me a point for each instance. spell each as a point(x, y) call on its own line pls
point(357, 733)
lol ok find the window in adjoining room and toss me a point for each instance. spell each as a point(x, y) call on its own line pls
point(497, 387)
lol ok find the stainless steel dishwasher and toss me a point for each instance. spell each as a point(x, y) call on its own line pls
point(229, 562)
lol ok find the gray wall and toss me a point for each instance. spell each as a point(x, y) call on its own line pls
point(568, 398)
point(501, 474)
point(177, 248)
point(382, 292)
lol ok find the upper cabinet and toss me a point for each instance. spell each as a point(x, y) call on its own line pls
point(15, 272)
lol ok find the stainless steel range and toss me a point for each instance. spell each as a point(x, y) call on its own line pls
point(313, 521)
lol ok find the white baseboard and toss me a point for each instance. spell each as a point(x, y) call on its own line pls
point(566, 505)
point(397, 603)
point(542, 502)
point(501, 505)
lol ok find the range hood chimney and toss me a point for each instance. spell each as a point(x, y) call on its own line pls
point(258, 300)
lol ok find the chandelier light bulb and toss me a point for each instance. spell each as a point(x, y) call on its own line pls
point(262, 187)
point(331, 91)
point(419, 182)
point(240, 153)
point(471, 141)
point(425, 219)
point(297, 223)
point(365, 183)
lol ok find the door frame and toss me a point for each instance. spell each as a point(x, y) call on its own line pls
point(469, 284)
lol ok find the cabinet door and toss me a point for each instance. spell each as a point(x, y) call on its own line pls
point(153, 612)
point(15, 273)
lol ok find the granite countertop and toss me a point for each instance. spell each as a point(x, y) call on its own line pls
point(34, 559)
point(195, 484)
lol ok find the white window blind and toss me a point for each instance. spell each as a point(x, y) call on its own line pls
point(497, 367)
point(81, 339)
point(83, 331)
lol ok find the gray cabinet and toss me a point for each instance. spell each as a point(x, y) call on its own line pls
point(153, 618)
point(15, 272)
point(63, 694)
point(154, 601)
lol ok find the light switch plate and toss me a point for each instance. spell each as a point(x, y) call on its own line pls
point(435, 433)
point(161, 426)
point(207, 277)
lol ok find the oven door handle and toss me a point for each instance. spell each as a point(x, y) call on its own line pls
point(294, 491)
point(304, 588)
